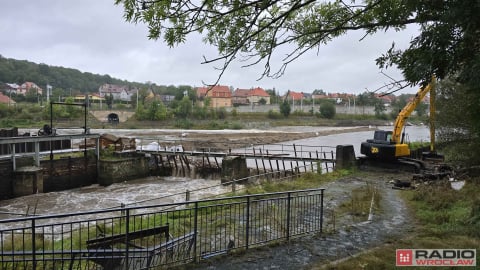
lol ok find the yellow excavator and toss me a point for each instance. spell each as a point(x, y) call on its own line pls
point(389, 147)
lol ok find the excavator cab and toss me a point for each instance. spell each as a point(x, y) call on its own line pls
point(381, 136)
point(382, 147)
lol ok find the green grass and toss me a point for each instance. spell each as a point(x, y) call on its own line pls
point(306, 181)
point(358, 206)
point(444, 218)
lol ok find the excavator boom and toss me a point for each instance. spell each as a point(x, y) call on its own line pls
point(407, 111)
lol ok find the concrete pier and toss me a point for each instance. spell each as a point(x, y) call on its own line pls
point(234, 167)
point(28, 180)
point(345, 157)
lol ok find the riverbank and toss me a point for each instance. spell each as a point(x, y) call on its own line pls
point(223, 140)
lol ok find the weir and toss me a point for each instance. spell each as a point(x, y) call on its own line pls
point(30, 172)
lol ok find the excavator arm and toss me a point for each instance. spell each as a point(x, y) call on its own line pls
point(408, 109)
point(389, 145)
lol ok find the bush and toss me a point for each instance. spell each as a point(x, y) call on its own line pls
point(234, 112)
point(301, 113)
point(184, 123)
point(274, 115)
point(327, 110)
point(236, 125)
point(221, 113)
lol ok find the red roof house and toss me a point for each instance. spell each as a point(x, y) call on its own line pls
point(6, 99)
point(220, 95)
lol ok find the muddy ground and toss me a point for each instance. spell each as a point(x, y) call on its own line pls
point(222, 141)
point(344, 235)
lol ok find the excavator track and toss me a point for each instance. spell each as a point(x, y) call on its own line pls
point(401, 164)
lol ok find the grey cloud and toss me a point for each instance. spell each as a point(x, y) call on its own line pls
point(92, 36)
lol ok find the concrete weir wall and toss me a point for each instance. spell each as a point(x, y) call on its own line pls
point(52, 175)
point(28, 180)
point(67, 173)
point(124, 169)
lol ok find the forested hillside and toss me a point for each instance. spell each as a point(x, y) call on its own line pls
point(20, 71)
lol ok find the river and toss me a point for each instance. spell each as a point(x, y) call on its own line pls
point(154, 190)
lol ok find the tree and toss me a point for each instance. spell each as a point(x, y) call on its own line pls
point(32, 95)
point(365, 99)
point(457, 121)
point(109, 100)
point(447, 41)
point(184, 108)
point(157, 111)
point(421, 109)
point(285, 108)
point(319, 92)
point(71, 110)
point(327, 110)
point(251, 31)
point(378, 107)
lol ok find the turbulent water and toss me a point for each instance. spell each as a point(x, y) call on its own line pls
point(161, 189)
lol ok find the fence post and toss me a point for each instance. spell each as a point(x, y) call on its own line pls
point(127, 230)
point(247, 233)
point(195, 229)
point(321, 210)
point(187, 195)
point(233, 185)
point(122, 213)
point(34, 255)
point(288, 215)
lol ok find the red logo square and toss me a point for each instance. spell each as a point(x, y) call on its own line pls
point(404, 257)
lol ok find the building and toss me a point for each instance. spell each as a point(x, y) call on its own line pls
point(10, 88)
point(6, 100)
point(167, 99)
point(240, 97)
point(93, 98)
point(255, 95)
point(118, 92)
point(219, 95)
point(250, 96)
point(27, 86)
point(291, 95)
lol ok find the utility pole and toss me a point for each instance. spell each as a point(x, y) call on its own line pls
point(49, 88)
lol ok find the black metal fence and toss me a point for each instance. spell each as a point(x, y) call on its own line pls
point(158, 236)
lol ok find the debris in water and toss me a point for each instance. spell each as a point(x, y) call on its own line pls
point(457, 185)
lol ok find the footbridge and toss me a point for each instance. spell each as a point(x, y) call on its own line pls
point(105, 115)
point(273, 157)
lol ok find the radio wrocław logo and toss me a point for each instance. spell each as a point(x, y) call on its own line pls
point(436, 257)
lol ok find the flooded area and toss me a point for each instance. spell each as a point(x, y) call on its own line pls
point(155, 190)
point(343, 234)
point(145, 191)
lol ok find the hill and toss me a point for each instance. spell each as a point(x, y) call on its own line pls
point(20, 71)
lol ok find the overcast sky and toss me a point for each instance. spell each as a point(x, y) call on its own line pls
point(92, 36)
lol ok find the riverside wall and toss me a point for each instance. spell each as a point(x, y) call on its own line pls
point(67, 173)
point(341, 109)
point(73, 172)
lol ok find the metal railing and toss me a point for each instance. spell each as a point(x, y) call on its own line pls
point(157, 236)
